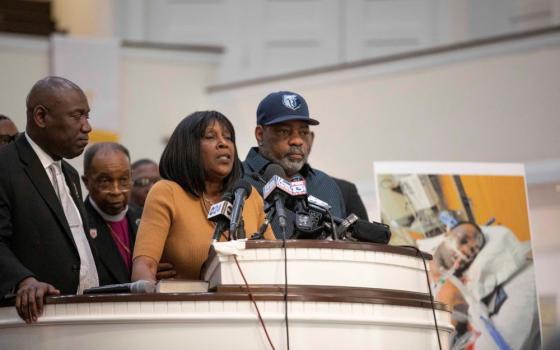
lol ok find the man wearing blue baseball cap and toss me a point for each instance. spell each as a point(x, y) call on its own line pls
point(284, 138)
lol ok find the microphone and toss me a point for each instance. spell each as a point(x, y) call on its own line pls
point(276, 190)
point(140, 286)
point(257, 177)
point(345, 224)
point(299, 193)
point(318, 204)
point(220, 213)
point(374, 232)
point(271, 170)
point(241, 190)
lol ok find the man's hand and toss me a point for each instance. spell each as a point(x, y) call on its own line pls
point(165, 270)
point(30, 297)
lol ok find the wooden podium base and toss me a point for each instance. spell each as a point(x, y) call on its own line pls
point(333, 315)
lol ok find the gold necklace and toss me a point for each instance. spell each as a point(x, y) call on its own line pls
point(206, 205)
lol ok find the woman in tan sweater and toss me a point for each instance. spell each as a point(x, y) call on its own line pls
point(198, 165)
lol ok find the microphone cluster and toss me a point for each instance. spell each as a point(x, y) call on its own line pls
point(310, 217)
point(313, 219)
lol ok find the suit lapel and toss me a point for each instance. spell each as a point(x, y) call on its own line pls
point(40, 180)
point(106, 246)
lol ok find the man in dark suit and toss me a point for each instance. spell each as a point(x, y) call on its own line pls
point(43, 246)
point(113, 223)
point(352, 199)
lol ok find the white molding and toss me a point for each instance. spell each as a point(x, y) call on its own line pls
point(171, 55)
point(334, 75)
point(444, 168)
point(543, 171)
point(25, 42)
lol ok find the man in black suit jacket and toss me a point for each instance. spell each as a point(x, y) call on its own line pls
point(352, 199)
point(113, 223)
point(40, 252)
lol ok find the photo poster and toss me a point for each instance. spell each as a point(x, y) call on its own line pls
point(473, 219)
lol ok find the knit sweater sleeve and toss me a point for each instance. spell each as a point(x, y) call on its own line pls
point(155, 224)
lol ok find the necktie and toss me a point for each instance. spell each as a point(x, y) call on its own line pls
point(88, 271)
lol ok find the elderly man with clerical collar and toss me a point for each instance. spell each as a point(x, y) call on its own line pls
point(44, 248)
point(113, 224)
point(283, 137)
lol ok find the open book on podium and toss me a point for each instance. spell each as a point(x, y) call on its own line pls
point(181, 286)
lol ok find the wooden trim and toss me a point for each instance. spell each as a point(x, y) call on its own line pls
point(265, 293)
point(172, 47)
point(342, 294)
point(387, 59)
point(311, 243)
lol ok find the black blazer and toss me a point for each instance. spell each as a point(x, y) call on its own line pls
point(35, 239)
point(352, 199)
point(112, 265)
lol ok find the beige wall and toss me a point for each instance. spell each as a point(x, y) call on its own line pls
point(157, 93)
point(158, 89)
point(23, 61)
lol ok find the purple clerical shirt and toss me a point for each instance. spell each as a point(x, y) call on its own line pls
point(122, 240)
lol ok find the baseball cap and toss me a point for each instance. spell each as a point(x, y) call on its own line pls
point(283, 106)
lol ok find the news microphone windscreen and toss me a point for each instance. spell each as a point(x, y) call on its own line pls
point(273, 169)
point(243, 184)
point(299, 187)
point(220, 211)
point(297, 177)
point(374, 232)
point(142, 286)
point(228, 196)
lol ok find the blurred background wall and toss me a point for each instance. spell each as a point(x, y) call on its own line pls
point(414, 80)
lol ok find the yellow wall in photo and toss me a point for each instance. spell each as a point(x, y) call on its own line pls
point(450, 194)
point(502, 197)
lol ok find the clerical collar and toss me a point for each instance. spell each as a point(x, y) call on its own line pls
point(105, 216)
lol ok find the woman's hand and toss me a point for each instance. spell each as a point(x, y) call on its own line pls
point(144, 268)
point(165, 270)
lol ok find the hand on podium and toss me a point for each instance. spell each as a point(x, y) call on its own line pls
point(30, 298)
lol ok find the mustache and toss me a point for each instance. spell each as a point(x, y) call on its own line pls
point(296, 149)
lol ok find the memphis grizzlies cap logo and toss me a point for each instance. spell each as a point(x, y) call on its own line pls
point(291, 101)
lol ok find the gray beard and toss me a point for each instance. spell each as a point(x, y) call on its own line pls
point(291, 167)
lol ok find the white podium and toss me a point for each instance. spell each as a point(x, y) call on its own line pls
point(370, 301)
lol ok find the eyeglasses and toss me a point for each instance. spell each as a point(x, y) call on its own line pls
point(5, 139)
point(107, 185)
point(145, 181)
